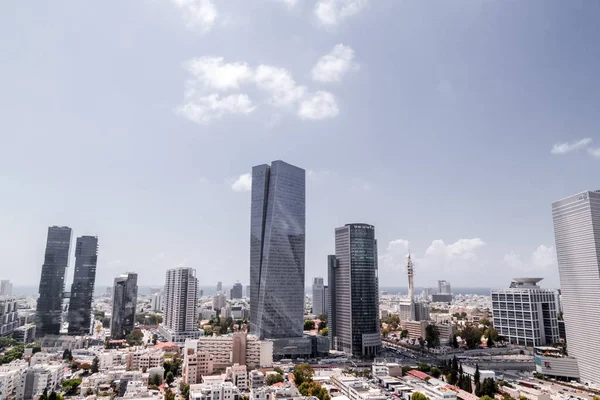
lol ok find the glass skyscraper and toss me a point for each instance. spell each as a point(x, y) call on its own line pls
point(125, 292)
point(277, 243)
point(354, 291)
point(52, 281)
point(82, 289)
point(577, 234)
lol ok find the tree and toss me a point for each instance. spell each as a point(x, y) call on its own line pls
point(154, 339)
point(309, 325)
point(302, 373)
point(472, 336)
point(156, 380)
point(274, 378)
point(70, 385)
point(44, 395)
point(432, 336)
point(106, 322)
point(313, 389)
point(323, 317)
point(184, 388)
point(454, 342)
point(385, 332)
point(488, 387)
point(322, 325)
point(67, 355)
point(485, 322)
point(325, 331)
point(52, 395)
point(169, 395)
point(424, 367)
point(404, 334)
point(476, 375)
point(435, 372)
point(95, 365)
point(170, 377)
point(278, 370)
point(418, 396)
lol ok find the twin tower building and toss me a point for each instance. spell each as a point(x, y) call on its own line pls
point(277, 267)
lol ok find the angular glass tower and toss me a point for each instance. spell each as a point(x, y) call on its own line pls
point(354, 292)
point(52, 281)
point(125, 292)
point(577, 234)
point(82, 289)
point(277, 242)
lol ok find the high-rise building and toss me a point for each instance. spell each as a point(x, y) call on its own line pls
point(318, 297)
point(444, 287)
point(82, 289)
point(577, 234)
point(526, 314)
point(354, 291)
point(236, 291)
point(277, 250)
point(125, 290)
point(219, 301)
point(157, 301)
point(180, 304)
point(6, 288)
point(52, 281)
point(248, 291)
point(219, 286)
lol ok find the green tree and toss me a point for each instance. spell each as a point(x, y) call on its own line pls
point(154, 339)
point(184, 389)
point(418, 396)
point(95, 365)
point(424, 367)
point(170, 377)
point(302, 373)
point(309, 325)
point(313, 389)
point(485, 322)
point(476, 375)
point(106, 322)
point(404, 334)
point(169, 395)
point(274, 378)
point(323, 317)
point(435, 372)
point(472, 336)
point(385, 332)
point(52, 395)
point(322, 325)
point(278, 370)
point(325, 331)
point(454, 342)
point(70, 385)
point(432, 336)
point(44, 395)
point(156, 380)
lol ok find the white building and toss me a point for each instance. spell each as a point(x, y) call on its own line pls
point(526, 314)
point(238, 374)
point(145, 359)
point(9, 318)
point(157, 301)
point(34, 380)
point(180, 304)
point(214, 391)
point(577, 234)
point(444, 287)
point(256, 379)
point(10, 377)
point(6, 288)
point(319, 302)
point(219, 301)
point(111, 359)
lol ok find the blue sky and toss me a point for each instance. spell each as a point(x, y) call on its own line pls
point(435, 121)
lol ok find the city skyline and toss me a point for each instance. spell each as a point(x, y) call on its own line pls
point(488, 130)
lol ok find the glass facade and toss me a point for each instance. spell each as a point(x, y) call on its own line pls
point(52, 281)
point(354, 291)
point(277, 243)
point(82, 289)
point(125, 292)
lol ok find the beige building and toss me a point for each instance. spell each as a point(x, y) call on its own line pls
point(196, 364)
point(145, 359)
point(416, 329)
point(238, 375)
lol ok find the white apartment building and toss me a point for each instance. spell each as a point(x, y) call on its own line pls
point(157, 301)
point(237, 348)
point(526, 314)
point(145, 359)
point(256, 379)
point(214, 391)
point(10, 377)
point(9, 318)
point(111, 359)
point(238, 375)
point(180, 305)
point(386, 369)
point(356, 389)
point(35, 379)
point(219, 301)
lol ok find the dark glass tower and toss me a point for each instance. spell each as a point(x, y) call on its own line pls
point(125, 292)
point(82, 289)
point(354, 291)
point(277, 241)
point(52, 281)
point(236, 291)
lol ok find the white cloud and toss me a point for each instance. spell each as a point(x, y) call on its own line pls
point(463, 248)
point(289, 2)
point(207, 108)
point(594, 151)
point(198, 13)
point(280, 84)
point(566, 147)
point(513, 260)
point(214, 73)
point(321, 105)
point(332, 12)
point(542, 258)
point(243, 183)
point(333, 66)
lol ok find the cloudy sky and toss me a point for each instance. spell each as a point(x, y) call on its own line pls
point(450, 126)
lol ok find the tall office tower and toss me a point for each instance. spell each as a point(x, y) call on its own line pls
point(219, 286)
point(277, 251)
point(318, 297)
point(526, 314)
point(354, 291)
point(82, 289)
point(6, 288)
point(248, 291)
point(236, 291)
point(444, 287)
point(332, 265)
point(157, 301)
point(577, 235)
point(125, 291)
point(180, 305)
point(219, 302)
point(52, 281)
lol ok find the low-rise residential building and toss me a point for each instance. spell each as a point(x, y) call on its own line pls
point(416, 329)
point(238, 348)
point(35, 379)
point(215, 391)
point(256, 379)
point(110, 359)
point(145, 359)
point(386, 369)
point(25, 333)
point(10, 377)
point(238, 375)
point(356, 389)
point(447, 332)
point(195, 363)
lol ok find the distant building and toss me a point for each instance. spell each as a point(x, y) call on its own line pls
point(211, 391)
point(25, 333)
point(318, 297)
point(526, 314)
point(82, 289)
point(238, 375)
point(52, 281)
point(248, 291)
point(354, 291)
point(444, 287)
point(125, 291)
point(441, 298)
point(577, 235)
point(145, 359)
point(9, 318)
point(6, 288)
point(277, 250)
point(413, 311)
point(35, 379)
point(219, 287)
point(180, 304)
point(157, 301)
point(219, 302)
point(236, 291)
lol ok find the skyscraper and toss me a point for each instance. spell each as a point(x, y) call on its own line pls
point(577, 234)
point(354, 291)
point(219, 286)
point(236, 291)
point(125, 292)
point(444, 287)
point(277, 242)
point(82, 289)
point(318, 297)
point(52, 281)
point(6, 288)
point(180, 304)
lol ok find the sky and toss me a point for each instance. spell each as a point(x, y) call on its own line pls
point(450, 126)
